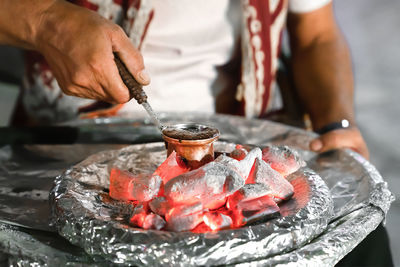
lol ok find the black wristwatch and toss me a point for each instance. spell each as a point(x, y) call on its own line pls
point(343, 124)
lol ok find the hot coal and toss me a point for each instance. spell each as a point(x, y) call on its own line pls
point(217, 203)
point(272, 180)
point(173, 166)
point(183, 210)
point(282, 159)
point(184, 223)
point(214, 181)
point(246, 193)
point(184, 217)
point(217, 221)
point(128, 186)
point(245, 165)
point(201, 228)
point(159, 205)
point(191, 133)
point(254, 210)
point(120, 185)
point(230, 192)
point(139, 214)
point(153, 221)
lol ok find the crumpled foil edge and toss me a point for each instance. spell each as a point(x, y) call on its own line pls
point(380, 197)
point(345, 233)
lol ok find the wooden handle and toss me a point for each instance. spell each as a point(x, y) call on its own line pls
point(135, 88)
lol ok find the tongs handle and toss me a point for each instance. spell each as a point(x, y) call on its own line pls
point(135, 88)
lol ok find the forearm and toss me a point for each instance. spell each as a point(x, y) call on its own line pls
point(323, 75)
point(77, 43)
point(321, 66)
point(20, 20)
point(324, 78)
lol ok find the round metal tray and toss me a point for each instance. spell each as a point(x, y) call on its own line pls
point(360, 195)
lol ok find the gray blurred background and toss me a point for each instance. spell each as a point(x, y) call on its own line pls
point(372, 30)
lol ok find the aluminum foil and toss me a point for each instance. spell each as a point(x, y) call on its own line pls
point(86, 220)
point(38, 248)
point(360, 195)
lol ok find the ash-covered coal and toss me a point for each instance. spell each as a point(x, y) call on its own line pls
point(127, 186)
point(283, 159)
point(195, 132)
point(207, 184)
point(232, 191)
point(217, 220)
point(263, 174)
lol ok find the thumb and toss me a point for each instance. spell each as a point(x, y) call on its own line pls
point(331, 140)
point(316, 145)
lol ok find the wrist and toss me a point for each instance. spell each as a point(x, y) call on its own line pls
point(342, 124)
point(332, 113)
point(45, 23)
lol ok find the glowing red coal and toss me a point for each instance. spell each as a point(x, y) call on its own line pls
point(230, 192)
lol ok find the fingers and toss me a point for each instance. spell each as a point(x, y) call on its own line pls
point(131, 56)
point(132, 59)
point(114, 88)
point(342, 138)
point(97, 79)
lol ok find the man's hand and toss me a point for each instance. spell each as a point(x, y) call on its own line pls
point(77, 43)
point(341, 138)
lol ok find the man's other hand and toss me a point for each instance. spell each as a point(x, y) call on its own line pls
point(78, 44)
point(341, 138)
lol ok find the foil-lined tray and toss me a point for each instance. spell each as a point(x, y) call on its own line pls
point(360, 195)
point(85, 219)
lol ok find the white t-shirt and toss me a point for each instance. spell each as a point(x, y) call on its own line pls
point(185, 44)
point(303, 6)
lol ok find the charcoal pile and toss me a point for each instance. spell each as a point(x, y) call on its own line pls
point(238, 188)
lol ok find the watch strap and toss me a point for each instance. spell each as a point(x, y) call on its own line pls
point(343, 124)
